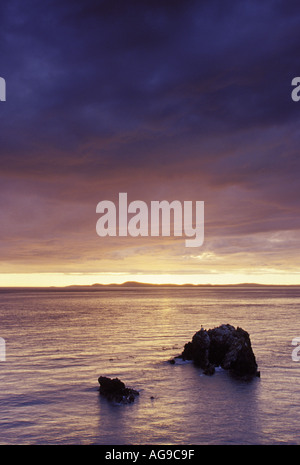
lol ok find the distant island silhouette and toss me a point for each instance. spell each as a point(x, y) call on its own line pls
point(141, 284)
point(137, 284)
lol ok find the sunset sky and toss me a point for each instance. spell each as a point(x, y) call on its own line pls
point(163, 100)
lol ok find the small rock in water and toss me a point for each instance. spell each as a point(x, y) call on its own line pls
point(115, 390)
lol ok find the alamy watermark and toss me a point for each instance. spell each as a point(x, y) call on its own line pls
point(295, 356)
point(296, 91)
point(160, 218)
point(2, 350)
point(2, 90)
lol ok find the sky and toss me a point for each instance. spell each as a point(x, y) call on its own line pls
point(163, 100)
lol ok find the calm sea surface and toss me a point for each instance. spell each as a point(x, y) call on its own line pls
point(58, 343)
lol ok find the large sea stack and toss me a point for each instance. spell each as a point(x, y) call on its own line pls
point(224, 346)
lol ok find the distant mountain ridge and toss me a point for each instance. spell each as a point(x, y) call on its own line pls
point(141, 284)
point(137, 284)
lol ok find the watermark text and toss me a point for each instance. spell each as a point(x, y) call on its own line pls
point(296, 91)
point(295, 355)
point(2, 90)
point(2, 350)
point(161, 218)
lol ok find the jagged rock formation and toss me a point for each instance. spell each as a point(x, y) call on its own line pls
point(115, 390)
point(222, 346)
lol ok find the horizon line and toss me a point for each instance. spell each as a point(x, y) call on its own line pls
point(147, 284)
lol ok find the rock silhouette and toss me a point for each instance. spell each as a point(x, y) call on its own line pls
point(222, 346)
point(116, 391)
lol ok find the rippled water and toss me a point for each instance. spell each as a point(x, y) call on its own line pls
point(59, 343)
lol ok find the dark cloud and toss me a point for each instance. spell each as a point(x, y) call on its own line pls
point(165, 98)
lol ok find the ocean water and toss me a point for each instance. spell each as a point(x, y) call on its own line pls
point(59, 342)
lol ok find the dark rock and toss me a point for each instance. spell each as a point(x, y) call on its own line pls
point(116, 391)
point(223, 346)
point(209, 370)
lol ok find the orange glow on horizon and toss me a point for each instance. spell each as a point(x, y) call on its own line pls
point(67, 279)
